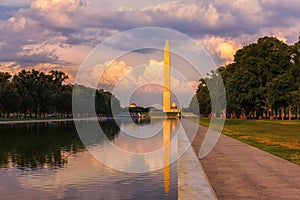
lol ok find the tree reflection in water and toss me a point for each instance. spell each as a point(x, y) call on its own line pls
point(43, 145)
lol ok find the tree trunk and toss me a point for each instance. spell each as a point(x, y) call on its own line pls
point(260, 114)
point(271, 114)
point(224, 112)
point(282, 113)
point(298, 115)
point(290, 112)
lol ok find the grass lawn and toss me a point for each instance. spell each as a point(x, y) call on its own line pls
point(280, 138)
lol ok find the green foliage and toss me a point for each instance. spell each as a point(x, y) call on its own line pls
point(263, 79)
point(200, 103)
point(106, 102)
point(210, 96)
point(34, 93)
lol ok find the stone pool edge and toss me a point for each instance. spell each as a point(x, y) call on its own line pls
point(192, 180)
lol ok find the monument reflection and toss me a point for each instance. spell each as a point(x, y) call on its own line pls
point(169, 126)
point(49, 161)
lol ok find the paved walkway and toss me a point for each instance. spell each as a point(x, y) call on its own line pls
point(192, 180)
point(239, 171)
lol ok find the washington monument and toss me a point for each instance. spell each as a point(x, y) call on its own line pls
point(167, 92)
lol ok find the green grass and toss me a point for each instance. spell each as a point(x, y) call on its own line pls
point(280, 138)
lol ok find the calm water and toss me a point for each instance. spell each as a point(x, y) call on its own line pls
point(48, 161)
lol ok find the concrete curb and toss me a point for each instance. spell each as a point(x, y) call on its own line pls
point(192, 180)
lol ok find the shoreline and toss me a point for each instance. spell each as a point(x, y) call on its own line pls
point(50, 120)
point(34, 121)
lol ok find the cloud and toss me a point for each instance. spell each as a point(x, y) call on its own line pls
point(221, 49)
point(150, 75)
point(62, 32)
point(14, 68)
point(59, 5)
point(15, 3)
point(148, 80)
point(289, 6)
point(8, 11)
point(226, 51)
point(113, 73)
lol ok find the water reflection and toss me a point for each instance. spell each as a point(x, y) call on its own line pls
point(167, 136)
point(141, 121)
point(48, 161)
point(42, 145)
point(137, 149)
point(170, 126)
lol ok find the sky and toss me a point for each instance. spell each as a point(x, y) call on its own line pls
point(60, 34)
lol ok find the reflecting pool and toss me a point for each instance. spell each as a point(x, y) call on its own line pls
point(48, 161)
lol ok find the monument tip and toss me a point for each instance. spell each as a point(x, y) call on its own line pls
point(167, 44)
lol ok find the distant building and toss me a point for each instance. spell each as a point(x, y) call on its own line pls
point(135, 110)
point(173, 106)
point(132, 105)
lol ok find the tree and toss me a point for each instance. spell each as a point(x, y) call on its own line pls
point(60, 95)
point(254, 66)
point(23, 84)
point(200, 103)
point(64, 99)
point(295, 70)
point(280, 92)
point(35, 92)
point(4, 84)
point(104, 101)
point(9, 99)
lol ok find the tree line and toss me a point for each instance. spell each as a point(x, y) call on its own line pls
point(263, 81)
point(38, 94)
